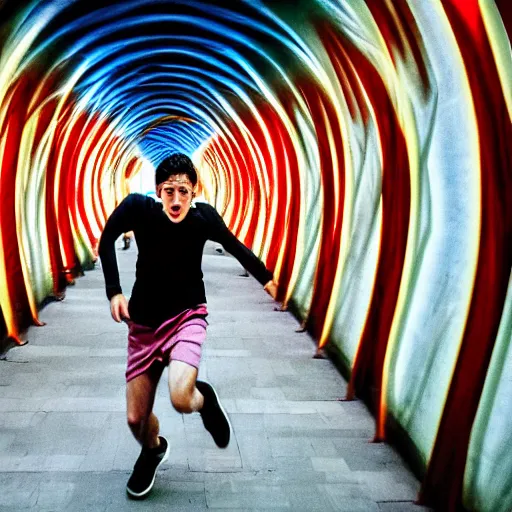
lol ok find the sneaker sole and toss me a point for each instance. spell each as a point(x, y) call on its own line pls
point(147, 491)
point(223, 412)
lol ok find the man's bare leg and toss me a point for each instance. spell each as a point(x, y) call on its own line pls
point(185, 397)
point(140, 397)
point(190, 395)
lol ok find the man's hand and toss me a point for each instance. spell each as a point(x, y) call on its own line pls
point(271, 289)
point(119, 308)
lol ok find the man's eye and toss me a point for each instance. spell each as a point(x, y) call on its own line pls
point(183, 191)
point(169, 191)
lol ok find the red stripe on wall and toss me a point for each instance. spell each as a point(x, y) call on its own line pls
point(366, 377)
point(291, 221)
point(12, 131)
point(278, 186)
point(52, 229)
point(321, 108)
point(68, 221)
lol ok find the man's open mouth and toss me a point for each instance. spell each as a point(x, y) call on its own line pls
point(175, 210)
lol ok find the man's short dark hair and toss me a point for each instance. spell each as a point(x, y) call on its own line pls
point(177, 163)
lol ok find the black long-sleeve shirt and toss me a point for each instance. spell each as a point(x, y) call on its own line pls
point(168, 276)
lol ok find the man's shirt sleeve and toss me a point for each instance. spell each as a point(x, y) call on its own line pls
point(120, 221)
point(220, 233)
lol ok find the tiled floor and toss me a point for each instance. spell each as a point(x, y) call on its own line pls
point(64, 443)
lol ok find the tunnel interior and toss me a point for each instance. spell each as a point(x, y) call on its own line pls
point(362, 150)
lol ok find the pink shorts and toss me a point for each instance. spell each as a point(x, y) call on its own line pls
point(178, 339)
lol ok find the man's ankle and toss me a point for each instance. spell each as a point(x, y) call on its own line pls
point(204, 388)
point(154, 445)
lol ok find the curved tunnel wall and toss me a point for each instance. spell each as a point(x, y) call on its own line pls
point(362, 149)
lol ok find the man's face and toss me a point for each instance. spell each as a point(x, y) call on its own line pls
point(176, 194)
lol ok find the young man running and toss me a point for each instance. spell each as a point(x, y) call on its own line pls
point(166, 314)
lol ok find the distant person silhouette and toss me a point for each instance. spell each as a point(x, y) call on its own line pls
point(127, 238)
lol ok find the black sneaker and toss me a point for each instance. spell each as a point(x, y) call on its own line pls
point(144, 471)
point(215, 419)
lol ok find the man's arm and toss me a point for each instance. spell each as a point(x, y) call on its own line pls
point(221, 234)
point(119, 222)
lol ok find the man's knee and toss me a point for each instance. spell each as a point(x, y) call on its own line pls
point(136, 421)
point(181, 399)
